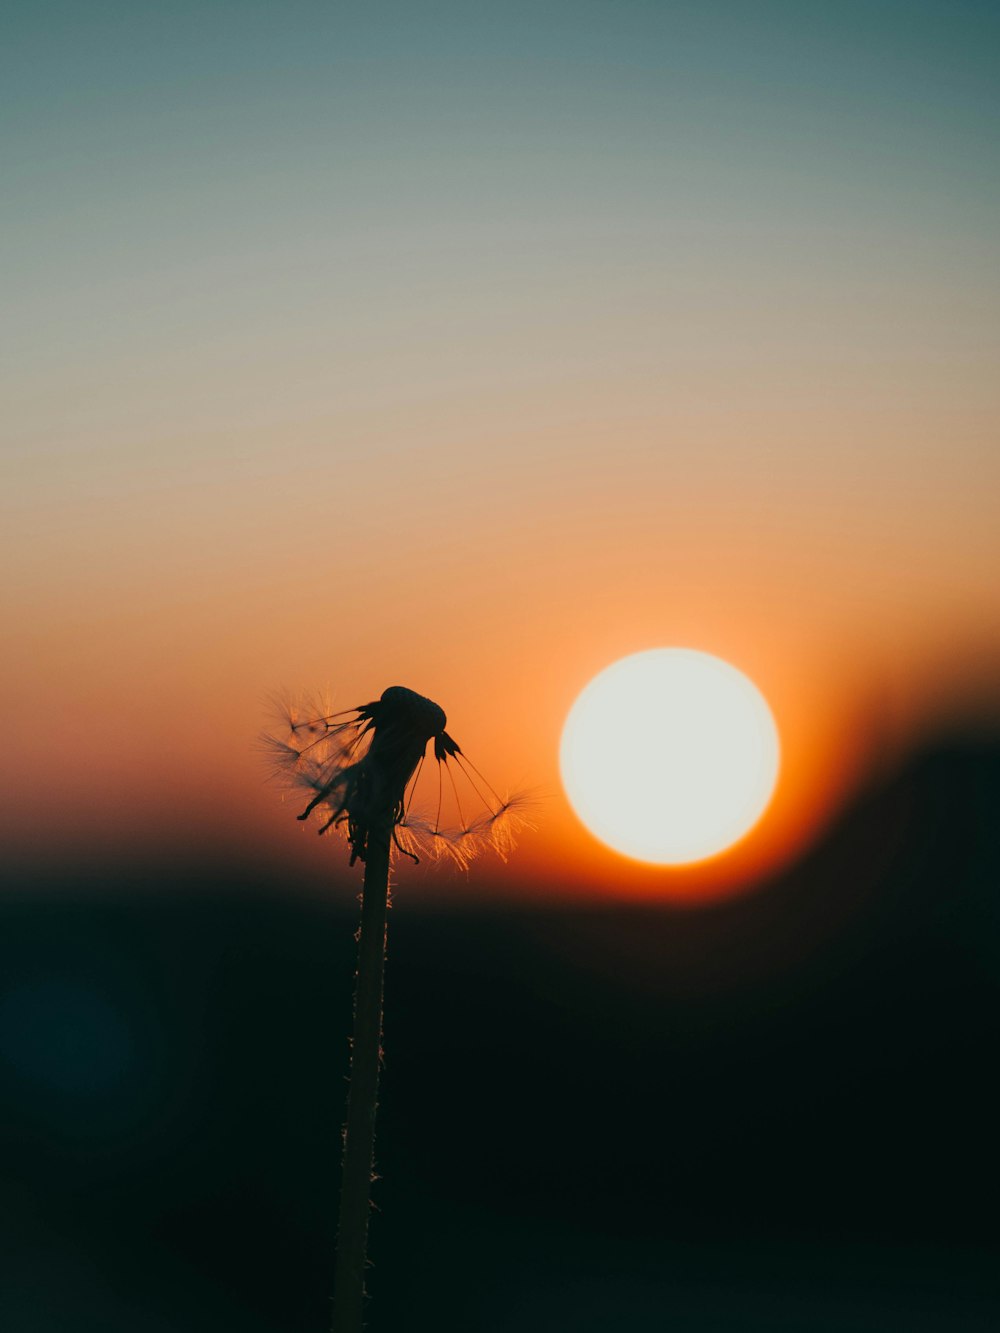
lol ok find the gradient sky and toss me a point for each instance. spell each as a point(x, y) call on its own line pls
point(471, 348)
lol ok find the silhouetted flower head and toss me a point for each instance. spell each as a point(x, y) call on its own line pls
point(362, 766)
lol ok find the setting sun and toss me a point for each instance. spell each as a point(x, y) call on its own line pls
point(670, 756)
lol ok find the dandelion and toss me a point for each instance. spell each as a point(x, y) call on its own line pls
point(361, 768)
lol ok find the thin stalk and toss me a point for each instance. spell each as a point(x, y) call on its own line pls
point(359, 1134)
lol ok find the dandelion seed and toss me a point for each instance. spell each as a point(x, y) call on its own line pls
point(359, 762)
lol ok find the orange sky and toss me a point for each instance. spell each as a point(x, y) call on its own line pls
point(496, 573)
point(477, 390)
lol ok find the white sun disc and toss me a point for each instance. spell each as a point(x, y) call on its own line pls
point(669, 755)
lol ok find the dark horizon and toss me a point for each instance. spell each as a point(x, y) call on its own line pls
point(778, 1109)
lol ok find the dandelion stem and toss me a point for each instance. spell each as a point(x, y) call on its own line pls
point(359, 1134)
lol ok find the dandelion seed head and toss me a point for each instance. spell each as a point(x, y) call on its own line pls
point(358, 765)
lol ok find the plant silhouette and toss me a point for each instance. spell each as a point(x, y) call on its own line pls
point(361, 767)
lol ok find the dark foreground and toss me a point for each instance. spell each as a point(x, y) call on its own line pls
point(774, 1115)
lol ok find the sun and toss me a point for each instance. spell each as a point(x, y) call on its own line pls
point(670, 756)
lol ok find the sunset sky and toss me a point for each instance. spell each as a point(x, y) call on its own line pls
point(471, 348)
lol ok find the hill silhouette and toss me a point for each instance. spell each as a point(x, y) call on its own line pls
point(775, 1113)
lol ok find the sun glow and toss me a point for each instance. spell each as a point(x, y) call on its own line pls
point(670, 756)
